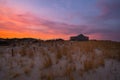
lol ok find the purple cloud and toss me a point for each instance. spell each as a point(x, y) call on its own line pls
point(110, 9)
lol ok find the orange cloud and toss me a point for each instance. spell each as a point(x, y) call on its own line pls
point(28, 25)
point(24, 25)
point(21, 25)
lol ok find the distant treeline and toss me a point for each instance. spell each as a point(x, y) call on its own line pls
point(14, 41)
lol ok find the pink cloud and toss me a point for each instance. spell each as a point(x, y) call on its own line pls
point(110, 9)
point(30, 23)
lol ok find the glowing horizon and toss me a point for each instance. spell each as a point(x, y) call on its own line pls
point(45, 19)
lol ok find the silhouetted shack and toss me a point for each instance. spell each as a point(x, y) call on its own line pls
point(80, 37)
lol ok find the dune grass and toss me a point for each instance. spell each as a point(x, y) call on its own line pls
point(95, 52)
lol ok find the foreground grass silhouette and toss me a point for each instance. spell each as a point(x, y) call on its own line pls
point(59, 60)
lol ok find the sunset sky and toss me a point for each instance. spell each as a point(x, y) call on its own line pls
point(48, 19)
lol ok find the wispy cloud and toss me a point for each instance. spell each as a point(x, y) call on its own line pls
point(110, 9)
point(27, 24)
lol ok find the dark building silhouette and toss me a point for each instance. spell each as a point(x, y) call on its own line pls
point(80, 37)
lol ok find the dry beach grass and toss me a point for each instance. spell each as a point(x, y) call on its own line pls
point(58, 60)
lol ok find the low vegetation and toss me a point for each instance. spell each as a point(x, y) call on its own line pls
point(70, 57)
